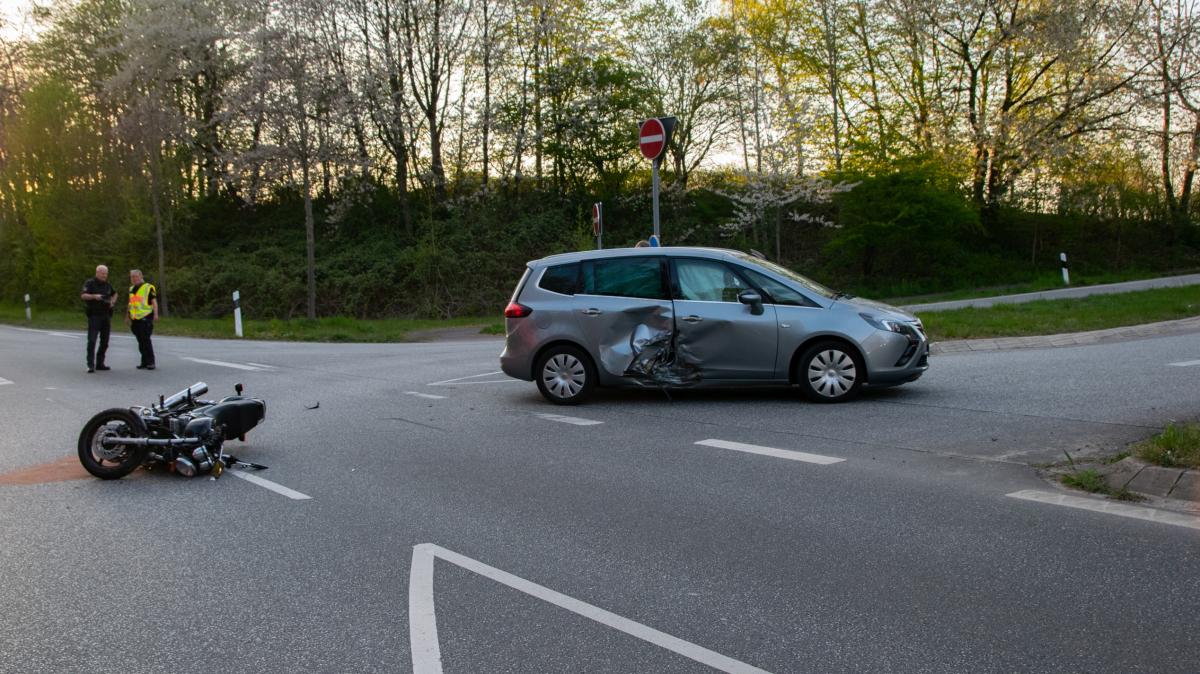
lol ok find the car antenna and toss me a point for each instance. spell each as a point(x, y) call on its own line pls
point(757, 254)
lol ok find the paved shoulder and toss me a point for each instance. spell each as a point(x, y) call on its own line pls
point(1062, 293)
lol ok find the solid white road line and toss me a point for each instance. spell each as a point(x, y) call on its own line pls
point(265, 367)
point(771, 451)
point(422, 616)
point(4, 381)
point(1186, 363)
point(429, 396)
point(267, 484)
point(458, 381)
point(1110, 507)
point(575, 421)
point(221, 363)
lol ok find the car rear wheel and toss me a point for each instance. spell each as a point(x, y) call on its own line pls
point(565, 375)
point(830, 372)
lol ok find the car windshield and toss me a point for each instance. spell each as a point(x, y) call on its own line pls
point(804, 281)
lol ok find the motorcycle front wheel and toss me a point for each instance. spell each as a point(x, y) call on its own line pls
point(114, 461)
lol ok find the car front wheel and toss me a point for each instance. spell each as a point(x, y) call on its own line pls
point(830, 372)
point(565, 375)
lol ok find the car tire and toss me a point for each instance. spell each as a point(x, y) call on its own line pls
point(565, 375)
point(830, 372)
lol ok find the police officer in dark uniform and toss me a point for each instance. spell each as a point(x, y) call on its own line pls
point(98, 297)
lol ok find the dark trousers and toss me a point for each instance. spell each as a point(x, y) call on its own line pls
point(97, 326)
point(142, 329)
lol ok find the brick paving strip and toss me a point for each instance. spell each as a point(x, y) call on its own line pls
point(1162, 328)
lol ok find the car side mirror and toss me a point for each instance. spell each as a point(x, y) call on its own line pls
point(753, 300)
point(237, 389)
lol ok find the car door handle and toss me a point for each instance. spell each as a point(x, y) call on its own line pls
point(692, 319)
point(590, 312)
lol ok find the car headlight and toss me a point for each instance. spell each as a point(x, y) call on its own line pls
point(898, 327)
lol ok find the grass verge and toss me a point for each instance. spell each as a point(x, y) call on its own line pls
point(1047, 317)
point(336, 329)
point(1178, 446)
point(1092, 481)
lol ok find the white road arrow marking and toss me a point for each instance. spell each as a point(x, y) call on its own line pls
point(428, 396)
point(458, 381)
point(422, 614)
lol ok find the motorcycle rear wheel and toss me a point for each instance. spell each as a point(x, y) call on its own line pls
point(117, 461)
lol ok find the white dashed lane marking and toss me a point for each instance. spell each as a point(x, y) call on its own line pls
point(1186, 363)
point(267, 484)
point(221, 363)
point(772, 451)
point(4, 381)
point(428, 396)
point(574, 421)
point(1109, 507)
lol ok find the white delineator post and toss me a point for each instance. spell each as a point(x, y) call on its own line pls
point(1066, 274)
point(28, 311)
point(237, 313)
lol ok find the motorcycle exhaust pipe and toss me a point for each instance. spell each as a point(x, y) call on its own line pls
point(149, 442)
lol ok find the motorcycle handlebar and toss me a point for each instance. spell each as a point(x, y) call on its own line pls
point(197, 389)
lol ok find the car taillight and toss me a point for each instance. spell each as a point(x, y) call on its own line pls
point(514, 310)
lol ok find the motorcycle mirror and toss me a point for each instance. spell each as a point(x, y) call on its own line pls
point(237, 388)
point(161, 402)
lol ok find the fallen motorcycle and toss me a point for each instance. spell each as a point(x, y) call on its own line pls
point(183, 433)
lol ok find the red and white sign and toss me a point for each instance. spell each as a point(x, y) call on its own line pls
point(597, 222)
point(652, 139)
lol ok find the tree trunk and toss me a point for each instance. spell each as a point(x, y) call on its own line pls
point(158, 232)
point(487, 89)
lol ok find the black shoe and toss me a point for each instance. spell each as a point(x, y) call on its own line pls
point(103, 368)
point(150, 367)
point(141, 367)
point(91, 370)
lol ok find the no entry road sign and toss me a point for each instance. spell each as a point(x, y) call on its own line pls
point(652, 138)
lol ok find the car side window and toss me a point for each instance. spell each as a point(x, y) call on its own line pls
point(780, 293)
point(625, 277)
point(707, 281)
point(561, 278)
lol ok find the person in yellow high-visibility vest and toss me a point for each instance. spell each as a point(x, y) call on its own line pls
point(142, 313)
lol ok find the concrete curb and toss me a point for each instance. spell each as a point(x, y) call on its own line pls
point(1177, 327)
point(1061, 293)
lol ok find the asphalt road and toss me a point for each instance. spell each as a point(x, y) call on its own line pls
point(446, 511)
point(1062, 293)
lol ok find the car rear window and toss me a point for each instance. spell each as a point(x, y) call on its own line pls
point(625, 277)
point(561, 278)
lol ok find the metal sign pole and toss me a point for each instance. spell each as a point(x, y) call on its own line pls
point(28, 312)
point(654, 171)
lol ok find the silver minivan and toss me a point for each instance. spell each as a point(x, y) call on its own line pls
point(674, 317)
